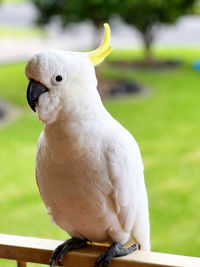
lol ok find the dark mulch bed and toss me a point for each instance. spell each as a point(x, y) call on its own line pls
point(7, 112)
point(120, 88)
point(3, 110)
point(2, 113)
point(153, 64)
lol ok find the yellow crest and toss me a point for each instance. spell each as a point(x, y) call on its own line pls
point(97, 56)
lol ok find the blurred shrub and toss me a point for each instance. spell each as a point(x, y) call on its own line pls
point(145, 15)
point(97, 11)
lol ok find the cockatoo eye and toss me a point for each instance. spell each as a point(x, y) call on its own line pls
point(58, 78)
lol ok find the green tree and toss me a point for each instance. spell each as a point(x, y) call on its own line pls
point(145, 15)
point(97, 11)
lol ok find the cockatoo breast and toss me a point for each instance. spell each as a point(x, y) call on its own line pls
point(73, 180)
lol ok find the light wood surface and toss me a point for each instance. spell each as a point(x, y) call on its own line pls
point(37, 250)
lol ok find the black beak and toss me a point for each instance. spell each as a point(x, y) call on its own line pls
point(34, 90)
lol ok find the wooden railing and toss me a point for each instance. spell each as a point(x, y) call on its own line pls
point(37, 250)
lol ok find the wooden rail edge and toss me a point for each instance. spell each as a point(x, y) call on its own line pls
point(37, 250)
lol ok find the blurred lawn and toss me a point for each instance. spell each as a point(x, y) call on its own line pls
point(17, 32)
point(166, 124)
point(12, 1)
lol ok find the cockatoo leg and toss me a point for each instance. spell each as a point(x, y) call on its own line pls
point(60, 252)
point(114, 251)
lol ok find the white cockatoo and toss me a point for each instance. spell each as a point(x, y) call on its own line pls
point(88, 167)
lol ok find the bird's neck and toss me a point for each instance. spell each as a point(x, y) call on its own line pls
point(71, 125)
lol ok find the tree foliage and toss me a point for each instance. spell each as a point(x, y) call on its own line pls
point(145, 15)
point(97, 11)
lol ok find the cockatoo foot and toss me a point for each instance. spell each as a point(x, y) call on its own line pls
point(114, 251)
point(60, 252)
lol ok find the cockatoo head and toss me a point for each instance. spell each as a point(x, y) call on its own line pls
point(61, 81)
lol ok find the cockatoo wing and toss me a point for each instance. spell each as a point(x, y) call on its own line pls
point(125, 171)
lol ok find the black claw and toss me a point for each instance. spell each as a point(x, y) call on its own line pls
point(60, 252)
point(115, 250)
point(126, 251)
point(55, 254)
point(52, 263)
point(99, 259)
point(106, 262)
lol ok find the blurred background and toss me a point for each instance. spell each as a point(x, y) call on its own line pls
point(150, 83)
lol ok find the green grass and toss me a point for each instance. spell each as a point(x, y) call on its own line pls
point(166, 125)
point(12, 1)
point(13, 83)
point(18, 32)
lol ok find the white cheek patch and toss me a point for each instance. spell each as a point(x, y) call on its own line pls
point(48, 107)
